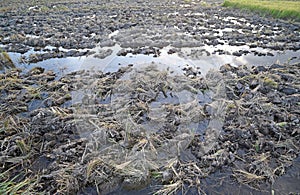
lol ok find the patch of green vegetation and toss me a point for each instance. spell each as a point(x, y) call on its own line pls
point(61, 8)
point(282, 124)
point(270, 82)
point(256, 146)
point(10, 186)
point(276, 8)
point(205, 4)
point(231, 106)
point(44, 9)
point(248, 77)
point(23, 147)
point(156, 174)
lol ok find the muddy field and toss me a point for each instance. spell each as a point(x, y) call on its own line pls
point(136, 97)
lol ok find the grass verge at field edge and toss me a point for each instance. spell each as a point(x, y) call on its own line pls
point(278, 9)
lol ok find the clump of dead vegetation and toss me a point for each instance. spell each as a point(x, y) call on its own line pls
point(262, 121)
point(5, 60)
point(136, 128)
point(149, 118)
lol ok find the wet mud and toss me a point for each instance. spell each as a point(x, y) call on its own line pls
point(160, 97)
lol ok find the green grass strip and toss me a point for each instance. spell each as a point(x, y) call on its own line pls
point(11, 187)
point(279, 9)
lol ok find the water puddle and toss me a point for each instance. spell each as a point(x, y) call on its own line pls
point(144, 110)
point(203, 58)
point(129, 107)
point(162, 109)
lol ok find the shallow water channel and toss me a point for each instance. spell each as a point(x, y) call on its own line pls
point(175, 61)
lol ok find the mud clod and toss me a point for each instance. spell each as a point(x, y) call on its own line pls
point(145, 128)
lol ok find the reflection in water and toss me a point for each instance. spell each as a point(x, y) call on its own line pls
point(286, 184)
point(175, 61)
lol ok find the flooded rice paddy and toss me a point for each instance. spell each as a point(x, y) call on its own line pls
point(160, 97)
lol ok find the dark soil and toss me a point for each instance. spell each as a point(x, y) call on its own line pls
point(259, 138)
point(86, 24)
point(146, 129)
